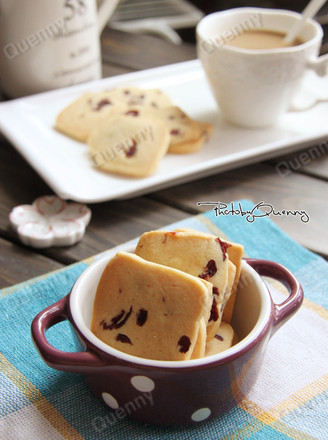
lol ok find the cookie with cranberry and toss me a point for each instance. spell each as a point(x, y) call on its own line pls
point(198, 254)
point(128, 146)
point(192, 146)
point(141, 98)
point(150, 310)
point(200, 344)
point(223, 339)
point(235, 252)
point(80, 117)
point(231, 280)
point(182, 128)
point(186, 135)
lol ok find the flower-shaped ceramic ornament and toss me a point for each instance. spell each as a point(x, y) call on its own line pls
point(50, 221)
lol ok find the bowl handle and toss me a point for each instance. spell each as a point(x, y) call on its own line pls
point(282, 312)
point(77, 362)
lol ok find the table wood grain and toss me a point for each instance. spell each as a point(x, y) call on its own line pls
point(304, 185)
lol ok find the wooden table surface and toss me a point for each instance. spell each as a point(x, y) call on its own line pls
point(114, 222)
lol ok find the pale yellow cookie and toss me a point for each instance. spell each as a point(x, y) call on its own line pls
point(142, 98)
point(195, 253)
point(128, 146)
point(188, 147)
point(230, 283)
point(79, 118)
point(150, 310)
point(192, 146)
point(200, 345)
point(222, 340)
point(181, 127)
point(186, 135)
point(235, 252)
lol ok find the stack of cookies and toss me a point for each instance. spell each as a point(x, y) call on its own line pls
point(172, 299)
point(129, 130)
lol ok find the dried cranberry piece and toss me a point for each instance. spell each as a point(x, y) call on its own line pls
point(184, 343)
point(166, 234)
point(210, 270)
point(175, 132)
point(102, 103)
point(132, 113)
point(131, 151)
point(117, 321)
point(123, 338)
point(214, 315)
point(121, 323)
point(219, 337)
point(224, 246)
point(113, 321)
point(142, 317)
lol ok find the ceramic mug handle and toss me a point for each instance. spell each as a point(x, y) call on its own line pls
point(283, 311)
point(302, 103)
point(319, 65)
point(58, 359)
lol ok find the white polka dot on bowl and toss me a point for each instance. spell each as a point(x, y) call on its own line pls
point(201, 414)
point(110, 400)
point(143, 383)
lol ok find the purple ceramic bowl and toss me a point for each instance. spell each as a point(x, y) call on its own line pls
point(171, 392)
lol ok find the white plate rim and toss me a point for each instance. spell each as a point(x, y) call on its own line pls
point(183, 74)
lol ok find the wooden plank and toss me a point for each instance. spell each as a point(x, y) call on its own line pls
point(19, 183)
point(109, 70)
point(18, 264)
point(258, 183)
point(143, 51)
point(312, 161)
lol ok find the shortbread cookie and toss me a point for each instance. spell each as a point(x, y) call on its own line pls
point(129, 146)
point(81, 116)
point(182, 128)
point(149, 310)
point(188, 147)
point(222, 340)
point(144, 98)
point(230, 283)
point(186, 135)
point(195, 253)
point(200, 345)
point(192, 146)
point(235, 253)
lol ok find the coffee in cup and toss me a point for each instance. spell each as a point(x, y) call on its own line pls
point(255, 86)
point(258, 39)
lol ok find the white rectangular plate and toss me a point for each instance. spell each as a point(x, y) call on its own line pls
point(64, 163)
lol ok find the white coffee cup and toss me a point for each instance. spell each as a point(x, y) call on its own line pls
point(253, 88)
point(47, 44)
